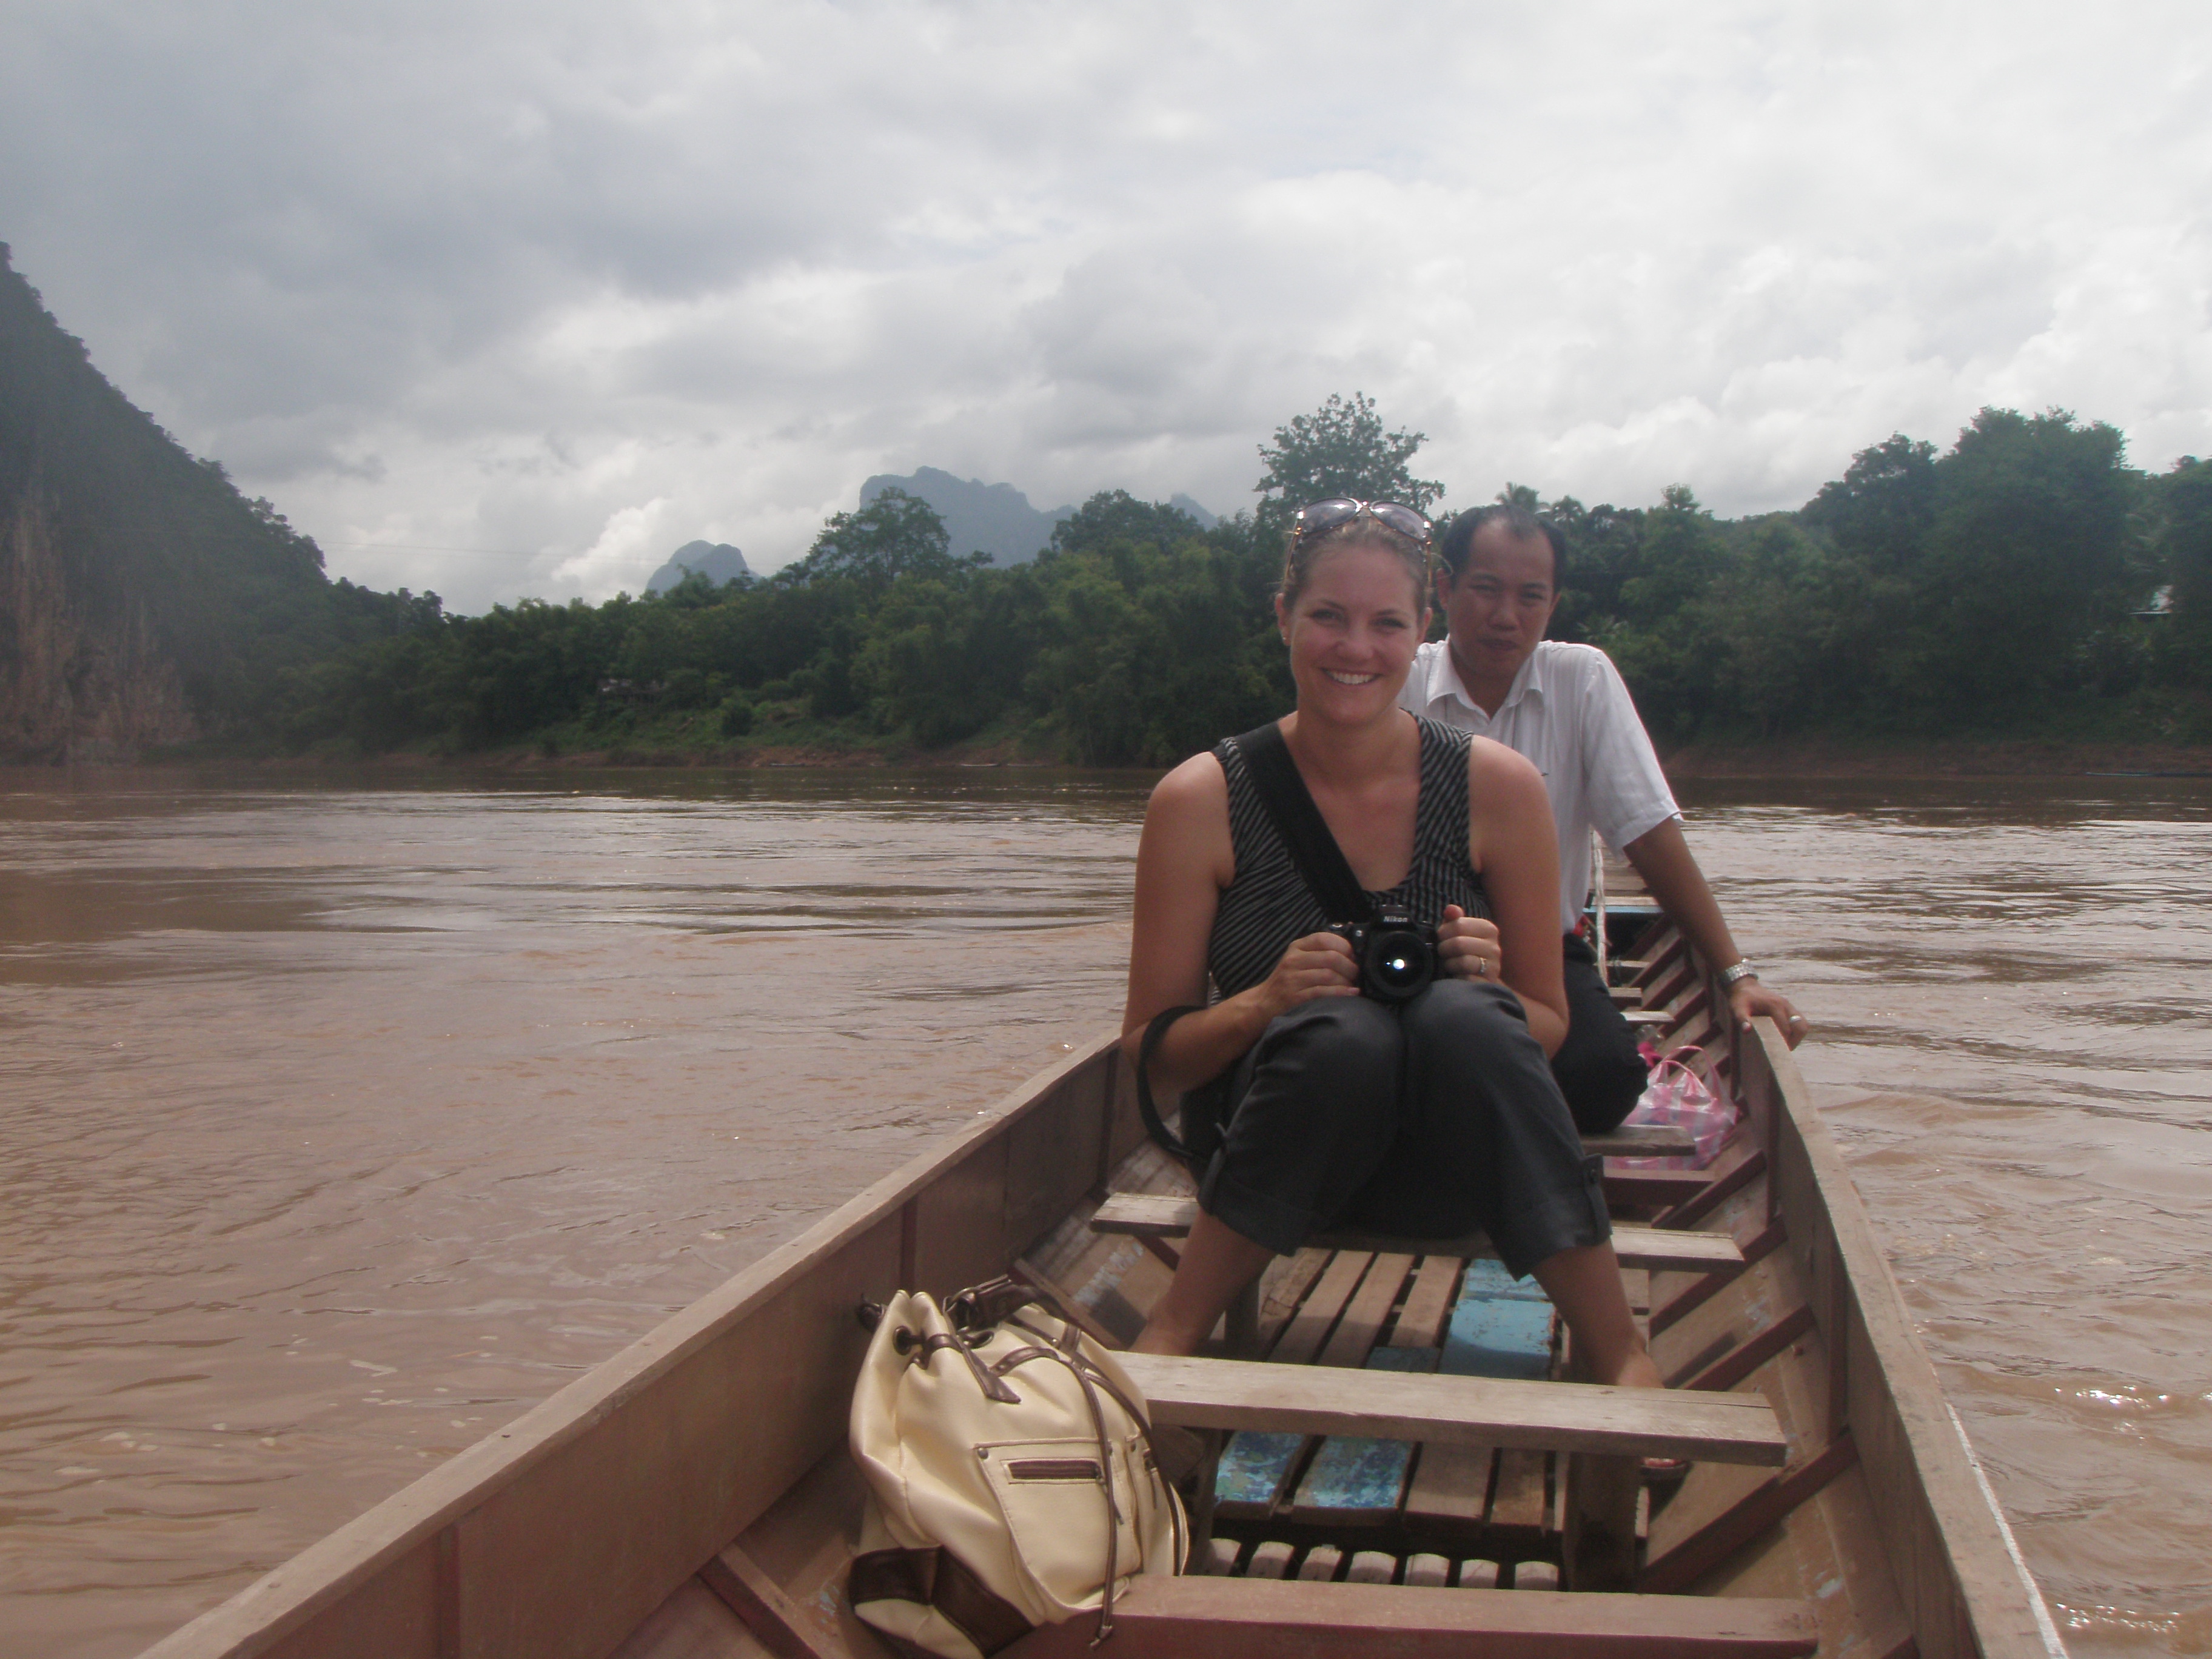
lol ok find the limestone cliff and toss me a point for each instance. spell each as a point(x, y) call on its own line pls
point(143, 599)
point(81, 679)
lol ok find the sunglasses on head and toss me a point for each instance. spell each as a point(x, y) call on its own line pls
point(1316, 517)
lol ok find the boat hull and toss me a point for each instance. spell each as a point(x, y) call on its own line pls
point(699, 1475)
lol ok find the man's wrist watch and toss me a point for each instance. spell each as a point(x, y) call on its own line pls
point(1742, 970)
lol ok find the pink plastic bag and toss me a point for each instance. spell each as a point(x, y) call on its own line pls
point(1677, 1096)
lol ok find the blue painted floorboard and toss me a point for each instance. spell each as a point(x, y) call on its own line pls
point(1255, 1466)
point(1351, 1472)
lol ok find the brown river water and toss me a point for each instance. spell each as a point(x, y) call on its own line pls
point(342, 1119)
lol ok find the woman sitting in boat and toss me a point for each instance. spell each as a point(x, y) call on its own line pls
point(1429, 1118)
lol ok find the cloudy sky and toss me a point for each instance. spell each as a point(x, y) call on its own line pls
point(505, 299)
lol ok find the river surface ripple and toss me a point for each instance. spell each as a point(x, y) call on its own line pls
point(342, 1121)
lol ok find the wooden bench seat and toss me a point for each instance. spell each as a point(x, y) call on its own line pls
point(1161, 1618)
point(1641, 1140)
point(1570, 1417)
point(1151, 1215)
point(1655, 1189)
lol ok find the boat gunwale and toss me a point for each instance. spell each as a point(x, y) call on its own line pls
point(319, 1577)
point(1997, 1609)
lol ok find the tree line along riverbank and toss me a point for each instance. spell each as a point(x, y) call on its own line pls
point(2025, 591)
point(2024, 584)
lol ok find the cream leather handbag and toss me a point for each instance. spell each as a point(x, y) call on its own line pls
point(1010, 1465)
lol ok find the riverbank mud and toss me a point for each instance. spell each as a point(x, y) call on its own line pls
point(1814, 758)
point(1802, 758)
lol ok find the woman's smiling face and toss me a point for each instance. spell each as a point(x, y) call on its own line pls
point(1353, 631)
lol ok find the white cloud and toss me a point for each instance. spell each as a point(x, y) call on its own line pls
point(625, 553)
point(563, 283)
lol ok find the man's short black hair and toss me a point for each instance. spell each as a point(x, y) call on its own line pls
point(1458, 539)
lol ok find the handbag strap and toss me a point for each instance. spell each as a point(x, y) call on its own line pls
point(1306, 834)
point(1068, 1351)
point(1067, 1348)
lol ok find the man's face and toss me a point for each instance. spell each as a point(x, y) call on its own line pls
point(1499, 607)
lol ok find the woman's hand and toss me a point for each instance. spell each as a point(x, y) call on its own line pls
point(1318, 965)
point(1468, 946)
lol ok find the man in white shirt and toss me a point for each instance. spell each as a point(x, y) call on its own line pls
point(1564, 708)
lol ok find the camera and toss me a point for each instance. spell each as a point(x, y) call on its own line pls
point(1397, 956)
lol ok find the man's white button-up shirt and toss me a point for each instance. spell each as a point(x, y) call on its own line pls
point(1569, 711)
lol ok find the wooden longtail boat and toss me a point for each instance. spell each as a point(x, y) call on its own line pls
point(692, 1498)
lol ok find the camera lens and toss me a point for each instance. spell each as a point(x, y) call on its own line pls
point(1399, 962)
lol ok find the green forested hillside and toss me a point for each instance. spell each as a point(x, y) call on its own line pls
point(1987, 590)
point(143, 599)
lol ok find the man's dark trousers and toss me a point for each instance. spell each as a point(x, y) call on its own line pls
point(1598, 1068)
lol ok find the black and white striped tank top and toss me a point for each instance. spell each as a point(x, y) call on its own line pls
point(1267, 905)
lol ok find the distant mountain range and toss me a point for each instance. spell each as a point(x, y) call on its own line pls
point(718, 561)
point(994, 519)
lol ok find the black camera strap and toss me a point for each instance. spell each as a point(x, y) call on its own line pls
point(1310, 841)
point(1304, 832)
point(1195, 1151)
point(1327, 875)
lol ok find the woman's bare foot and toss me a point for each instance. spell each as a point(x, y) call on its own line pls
point(1584, 1284)
point(1639, 1372)
point(1165, 1334)
point(1217, 1263)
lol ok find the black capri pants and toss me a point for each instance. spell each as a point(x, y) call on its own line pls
point(1429, 1120)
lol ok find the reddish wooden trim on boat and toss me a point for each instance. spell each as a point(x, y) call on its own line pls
point(448, 1570)
point(1650, 1188)
point(759, 1600)
point(1726, 1184)
point(1297, 1619)
point(1712, 1284)
point(1744, 1521)
point(1731, 1368)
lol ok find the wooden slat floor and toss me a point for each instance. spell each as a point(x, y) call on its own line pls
point(1362, 1510)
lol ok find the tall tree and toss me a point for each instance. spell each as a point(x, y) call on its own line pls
point(1341, 449)
point(2184, 498)
point(1667, 650)
point(2024, 555)
point(1882, 508)
point(1603, 547)
point(894, 535)
point(1115, 515)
